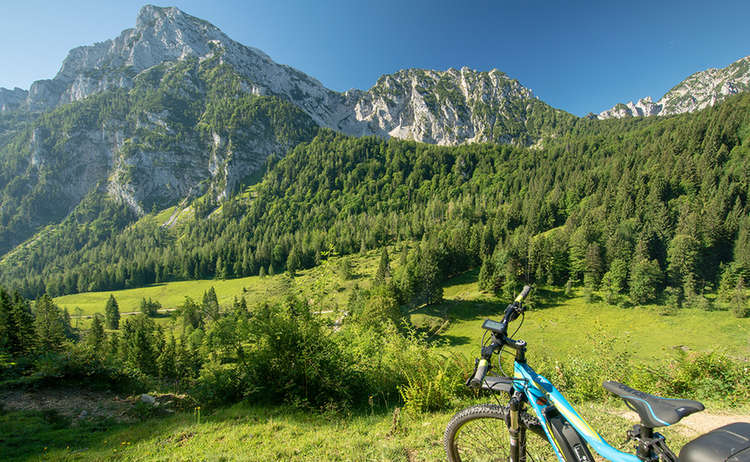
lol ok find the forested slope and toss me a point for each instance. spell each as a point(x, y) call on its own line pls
point(653, 202)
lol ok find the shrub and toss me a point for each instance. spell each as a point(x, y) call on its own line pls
point(294, 358)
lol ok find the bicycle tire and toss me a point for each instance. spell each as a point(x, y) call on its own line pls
point(479, 433)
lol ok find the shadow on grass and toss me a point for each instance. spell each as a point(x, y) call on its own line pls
point(544, 298)
point(455, 340)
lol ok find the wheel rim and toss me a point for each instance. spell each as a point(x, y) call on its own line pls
point(487, 440)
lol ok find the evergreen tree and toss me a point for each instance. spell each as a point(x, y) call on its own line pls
point(49, 325)
point(594, 265)
point(384, 268)
point(96, 337)
point(6, 323)
point(191, 314)
point(167, 360)
point(381, 308)
point(739, 299)
point(644, 281)
point(112, 314)
point(210, 305)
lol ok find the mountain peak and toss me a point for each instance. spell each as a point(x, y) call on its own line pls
point(698, 91)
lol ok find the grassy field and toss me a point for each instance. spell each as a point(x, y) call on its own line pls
point(557, 326)
point(255, 289)
point(253, 433)
point(561, 327)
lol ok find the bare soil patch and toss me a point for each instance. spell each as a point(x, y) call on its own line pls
point(69, 402)
point(698, 423)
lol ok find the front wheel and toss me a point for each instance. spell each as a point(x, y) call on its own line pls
point(479, 433)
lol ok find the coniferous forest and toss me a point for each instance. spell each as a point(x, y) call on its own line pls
point(646, 208)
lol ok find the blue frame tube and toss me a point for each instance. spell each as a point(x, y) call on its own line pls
point(535, 386)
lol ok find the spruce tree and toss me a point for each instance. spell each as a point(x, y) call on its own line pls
point(112, 314)
point(210, 305)
point(95, 337)
point(739, 300)
point(49, 325)
point(384, 268)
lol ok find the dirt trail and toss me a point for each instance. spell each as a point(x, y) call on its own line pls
point(698, 423)
point(71, 402)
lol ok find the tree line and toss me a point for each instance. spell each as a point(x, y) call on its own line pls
point(644, 209)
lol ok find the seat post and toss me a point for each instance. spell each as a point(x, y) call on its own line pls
point(645, 450)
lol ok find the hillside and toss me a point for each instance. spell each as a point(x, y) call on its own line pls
point(174, 109)
point(671, 192)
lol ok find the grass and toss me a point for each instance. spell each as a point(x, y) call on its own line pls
point(563, 327)
point(558, 326)
point(319, 280)
point(258, 433)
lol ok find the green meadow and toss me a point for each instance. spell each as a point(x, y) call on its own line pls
point(556, 325)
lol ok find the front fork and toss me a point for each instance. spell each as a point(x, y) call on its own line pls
point(516, 431)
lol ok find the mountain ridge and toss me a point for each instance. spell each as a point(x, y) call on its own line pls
point(697, 91)
point(168, 34)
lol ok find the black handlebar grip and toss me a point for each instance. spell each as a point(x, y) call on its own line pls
point(523, 294)
point(478, 378)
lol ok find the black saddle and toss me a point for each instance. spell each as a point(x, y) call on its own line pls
point(654, 411)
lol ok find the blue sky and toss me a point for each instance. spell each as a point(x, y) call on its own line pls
point(578, 56)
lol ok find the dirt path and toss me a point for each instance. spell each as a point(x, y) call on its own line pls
point(71, 402)
point(127, 313)
point(698, 423)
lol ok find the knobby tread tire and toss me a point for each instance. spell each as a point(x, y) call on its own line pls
point(483, 411)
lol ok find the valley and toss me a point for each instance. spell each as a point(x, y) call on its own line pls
point(209, 255)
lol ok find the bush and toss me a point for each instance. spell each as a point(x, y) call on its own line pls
point(294, 359)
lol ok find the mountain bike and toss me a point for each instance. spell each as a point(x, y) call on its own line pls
point(552, 427)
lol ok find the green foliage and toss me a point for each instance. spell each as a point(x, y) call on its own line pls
point(150, 307)
point(672, 300)
point(96, 337)
point(112, 314)
point(380, 309)
point(433, 383)
point(384, 268)
point(49, 325)
point(739, 304)
point(645, 279)
point(344, 269)
point(567, 210)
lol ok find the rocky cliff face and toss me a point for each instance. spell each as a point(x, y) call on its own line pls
point(11, 100)
point(448, 108)
point(175, 109)
point(698, 91)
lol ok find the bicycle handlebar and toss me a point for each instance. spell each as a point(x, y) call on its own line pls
point(499, 338)
point(523, 294)
point(478, 377)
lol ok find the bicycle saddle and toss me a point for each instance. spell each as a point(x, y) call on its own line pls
point(654, 411)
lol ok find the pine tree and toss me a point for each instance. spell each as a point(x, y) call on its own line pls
point(644, 281)
point(49, 325)
point(739, 300)
point(6, 323)
point(210, 305)
point(167, 360)
point(384, 268)
point(112, 314)
point(23, 320)
point(95, 337)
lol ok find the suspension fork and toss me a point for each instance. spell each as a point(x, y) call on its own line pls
point(516, 431)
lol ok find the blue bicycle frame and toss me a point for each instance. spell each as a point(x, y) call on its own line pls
point(539, 390)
